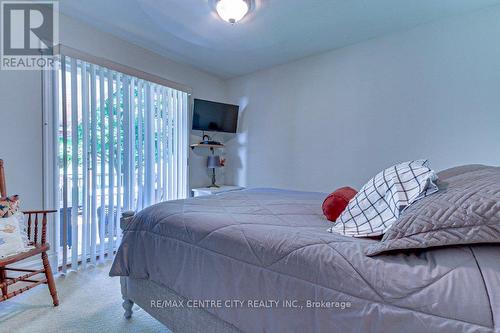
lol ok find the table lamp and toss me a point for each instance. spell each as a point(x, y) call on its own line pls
point(213, 162)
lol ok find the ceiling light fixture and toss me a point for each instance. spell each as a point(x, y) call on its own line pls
point(232, 11)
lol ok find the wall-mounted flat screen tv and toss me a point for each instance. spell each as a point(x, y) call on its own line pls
point(215, 117)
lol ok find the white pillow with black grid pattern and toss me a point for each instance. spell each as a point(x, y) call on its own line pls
point(380, 201)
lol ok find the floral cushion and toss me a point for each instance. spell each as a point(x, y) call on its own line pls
point(9, 205)
point(12, 240)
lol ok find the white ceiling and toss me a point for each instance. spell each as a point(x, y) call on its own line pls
point(276, 32)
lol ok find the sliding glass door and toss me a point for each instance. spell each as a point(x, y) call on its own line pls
point(118, 143)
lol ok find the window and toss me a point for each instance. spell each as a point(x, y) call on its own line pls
point(118, 143)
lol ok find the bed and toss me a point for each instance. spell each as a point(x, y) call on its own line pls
point(260, 260)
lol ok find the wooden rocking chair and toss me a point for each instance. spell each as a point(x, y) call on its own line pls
point(38, 241)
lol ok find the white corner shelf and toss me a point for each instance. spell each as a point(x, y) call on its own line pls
point(204, 145)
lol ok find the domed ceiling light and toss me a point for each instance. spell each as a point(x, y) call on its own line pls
point(232, 11)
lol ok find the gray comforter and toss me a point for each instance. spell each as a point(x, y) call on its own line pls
point(271, 246)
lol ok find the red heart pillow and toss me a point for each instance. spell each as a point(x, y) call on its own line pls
point(337, 201)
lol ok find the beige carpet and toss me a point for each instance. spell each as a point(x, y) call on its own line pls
point(90, 301)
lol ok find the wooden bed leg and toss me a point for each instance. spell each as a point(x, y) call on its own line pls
point(127, 306)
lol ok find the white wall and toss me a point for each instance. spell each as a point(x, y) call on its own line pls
point(317, 123)
point(339, 117)
point(21, 105)
point(21, 134)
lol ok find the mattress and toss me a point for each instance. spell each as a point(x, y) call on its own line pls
point(262, 260)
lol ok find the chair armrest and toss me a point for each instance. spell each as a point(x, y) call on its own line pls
point(36, 217)
point(39, 211)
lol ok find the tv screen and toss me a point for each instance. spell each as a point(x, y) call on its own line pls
point(215, 117)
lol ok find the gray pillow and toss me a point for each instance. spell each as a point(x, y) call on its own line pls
point(465, 210)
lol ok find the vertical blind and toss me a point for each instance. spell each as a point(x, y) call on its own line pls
point(120, 143)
